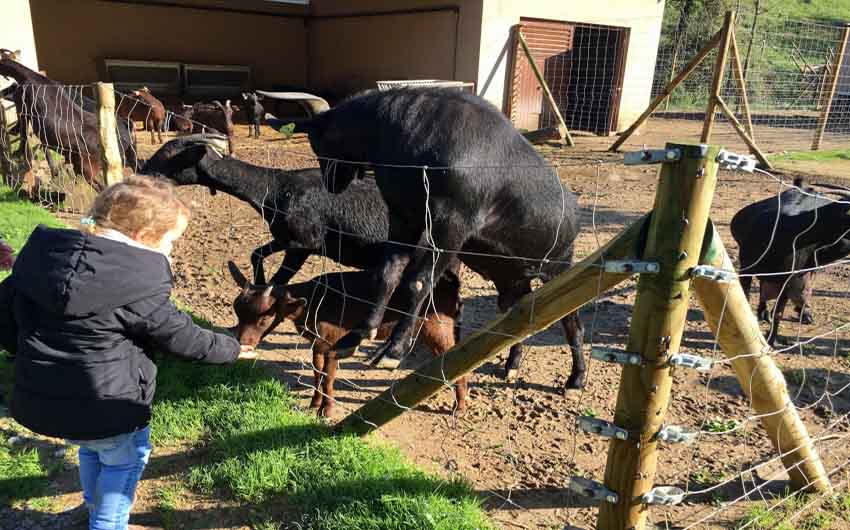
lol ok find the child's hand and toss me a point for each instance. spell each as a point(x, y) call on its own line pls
point(247, 353)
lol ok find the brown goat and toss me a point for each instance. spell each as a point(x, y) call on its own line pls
point(211, 117)
point(142, 106)
point(319, 309)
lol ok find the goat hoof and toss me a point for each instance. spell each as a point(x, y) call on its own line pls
point(347, 346)
point(511, 374)
point(764, 316)
point(380, 360)
point(575, 382)
point(807, 318)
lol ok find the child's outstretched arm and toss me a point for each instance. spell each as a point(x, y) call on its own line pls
point(8, 327)
point(158, 322)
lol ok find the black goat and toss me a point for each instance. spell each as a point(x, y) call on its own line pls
point(805, 228)
point(60, 122)
point(489, 192)
point(254, 111)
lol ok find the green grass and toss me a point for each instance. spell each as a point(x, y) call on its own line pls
point(815, 517)
point(277, 462)
point(815, 156)
point(718, 425)
point(19, 218)
point(824, 10)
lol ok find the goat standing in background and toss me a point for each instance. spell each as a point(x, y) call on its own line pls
point(61, 123)
point(142, 106)
point(254, 111)
point(212, 117)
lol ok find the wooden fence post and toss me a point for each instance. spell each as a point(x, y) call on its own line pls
point(719, 71)
point(113, 168)
point(741, 339)
point(676, 233)
point(562, 125)
point(555, 299)
point(838, 60)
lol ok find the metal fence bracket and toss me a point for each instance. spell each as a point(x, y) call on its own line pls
point(616, 356)
point(651, 156)
point(592, 490)
point(714, 274)
point(632, 267)
point(602, 428)
point(686, 360)
point(735, 162)
point(664, 495)
point(673, 434)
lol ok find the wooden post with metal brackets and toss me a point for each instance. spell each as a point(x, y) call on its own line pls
point(676, 232)
point(732, 321)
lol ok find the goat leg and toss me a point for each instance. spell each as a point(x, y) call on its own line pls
point(260, 254)
point(508, 296)
point(418, 282)
point(388, 277)
point(292, 263)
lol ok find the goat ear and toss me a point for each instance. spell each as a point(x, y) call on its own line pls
point(227, 103)
point(244, 96)
point(237, 275)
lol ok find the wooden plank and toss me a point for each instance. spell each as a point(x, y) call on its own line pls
point(719, 71)
point(676, 233)
point(550, 303)
point(562, 126)
point(823, 119)
point(743, 134)
point(686, 71)
point(738, 71)
point(113, 167)
point(726, 307)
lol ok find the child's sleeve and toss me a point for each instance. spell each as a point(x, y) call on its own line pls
point(8, 327)
point(157, 321)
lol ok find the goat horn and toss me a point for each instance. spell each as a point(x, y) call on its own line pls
point(268, 291)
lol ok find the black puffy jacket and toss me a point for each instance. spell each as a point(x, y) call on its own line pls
point(78, 313)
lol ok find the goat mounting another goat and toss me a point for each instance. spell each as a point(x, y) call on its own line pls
point(489, 194)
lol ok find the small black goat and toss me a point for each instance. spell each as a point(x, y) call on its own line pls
point(62, 124)
point(303, 217)
point(254, 111)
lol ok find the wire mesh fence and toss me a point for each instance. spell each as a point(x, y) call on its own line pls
point(788, 67)
point(518, 441)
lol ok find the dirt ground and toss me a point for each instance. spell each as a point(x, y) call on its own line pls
point(518, 444)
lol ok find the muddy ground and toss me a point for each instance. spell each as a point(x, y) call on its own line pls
point(517, 444)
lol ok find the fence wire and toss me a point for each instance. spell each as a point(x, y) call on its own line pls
point(518, 441)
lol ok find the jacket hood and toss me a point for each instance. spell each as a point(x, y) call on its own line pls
point(70, 273)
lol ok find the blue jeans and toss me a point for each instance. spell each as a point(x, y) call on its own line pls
point(110, 468)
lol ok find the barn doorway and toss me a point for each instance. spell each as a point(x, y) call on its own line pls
point(583, 64)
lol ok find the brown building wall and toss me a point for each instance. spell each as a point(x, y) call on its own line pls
point(72, 36)
point(410, 39)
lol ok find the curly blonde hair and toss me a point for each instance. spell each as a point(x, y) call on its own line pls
point(137, 205)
